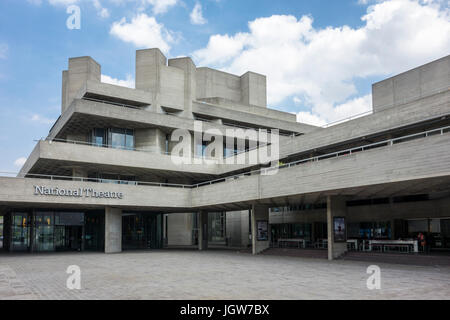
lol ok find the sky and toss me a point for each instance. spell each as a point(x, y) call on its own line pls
point(320, 57)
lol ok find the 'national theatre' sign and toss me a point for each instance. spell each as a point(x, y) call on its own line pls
point(76, 193)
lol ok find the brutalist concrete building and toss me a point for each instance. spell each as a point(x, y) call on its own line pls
point(105, 179)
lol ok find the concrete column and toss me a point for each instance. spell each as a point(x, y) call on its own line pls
point(113, 230)
point(245, 221)
point(149, 64)
point(80, 70)
point(254, 89)
point(336, 207)
point(151, 140)
point(202, 230)
point(190, 82)
point(259, 213)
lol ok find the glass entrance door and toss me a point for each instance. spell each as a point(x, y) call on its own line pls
point(141, 231)
point(20, 231)
point(44, 239)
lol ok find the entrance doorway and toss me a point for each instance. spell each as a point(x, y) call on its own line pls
point(68, 238)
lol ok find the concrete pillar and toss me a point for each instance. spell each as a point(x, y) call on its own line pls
point(336, 207)
point(202, 230)
point(259, 215)
point(151, 140)
point(149, 64)
point(245, 226)
point(254, 89)
point(80, 70)
point(113, 230)
point(190, 82)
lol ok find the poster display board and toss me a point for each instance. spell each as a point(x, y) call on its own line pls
point(340, 233)
point(263, 230)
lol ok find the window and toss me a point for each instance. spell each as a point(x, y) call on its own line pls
point(121, 138)
point(114, 138)
point(99, 137)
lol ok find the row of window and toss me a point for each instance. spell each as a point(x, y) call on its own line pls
point(121, 138)
point(113, 137)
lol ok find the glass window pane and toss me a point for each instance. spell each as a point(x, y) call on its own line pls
point(130, 139)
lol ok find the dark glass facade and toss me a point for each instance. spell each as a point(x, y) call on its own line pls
point(51, 230)
point(46, 230)
point(216, 226)
point(142, 231)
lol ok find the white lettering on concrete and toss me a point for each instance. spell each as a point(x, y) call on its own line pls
point(76, 193)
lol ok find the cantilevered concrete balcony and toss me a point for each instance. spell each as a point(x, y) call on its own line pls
point(51, 157)
point(422, 113)
point(83, 115)
point(410, 167)
point(117, 94)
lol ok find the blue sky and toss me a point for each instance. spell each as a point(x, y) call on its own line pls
point(320, 56)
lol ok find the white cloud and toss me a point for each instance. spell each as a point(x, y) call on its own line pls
point(128, 82)
point(3, 50)
point(35, 2)
point(62, 2)
point(320, 66)
point(143, 31)
point(197, 15)
point(309, 118)
point(41, 119)
point(161, 6)
point(102, 12)
point(20, 162)
point(221, 49)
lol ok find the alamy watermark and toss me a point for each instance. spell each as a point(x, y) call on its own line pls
point(374, 281)
point(74, 280)
point(226, 146)
point(74, 20)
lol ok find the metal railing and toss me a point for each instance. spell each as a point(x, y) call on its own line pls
point(100, 145)
point(355, 116)
point(346, 152)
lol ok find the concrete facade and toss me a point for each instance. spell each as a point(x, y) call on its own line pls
point(117, 140)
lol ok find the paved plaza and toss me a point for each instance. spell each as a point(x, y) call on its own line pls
point(213, 274)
